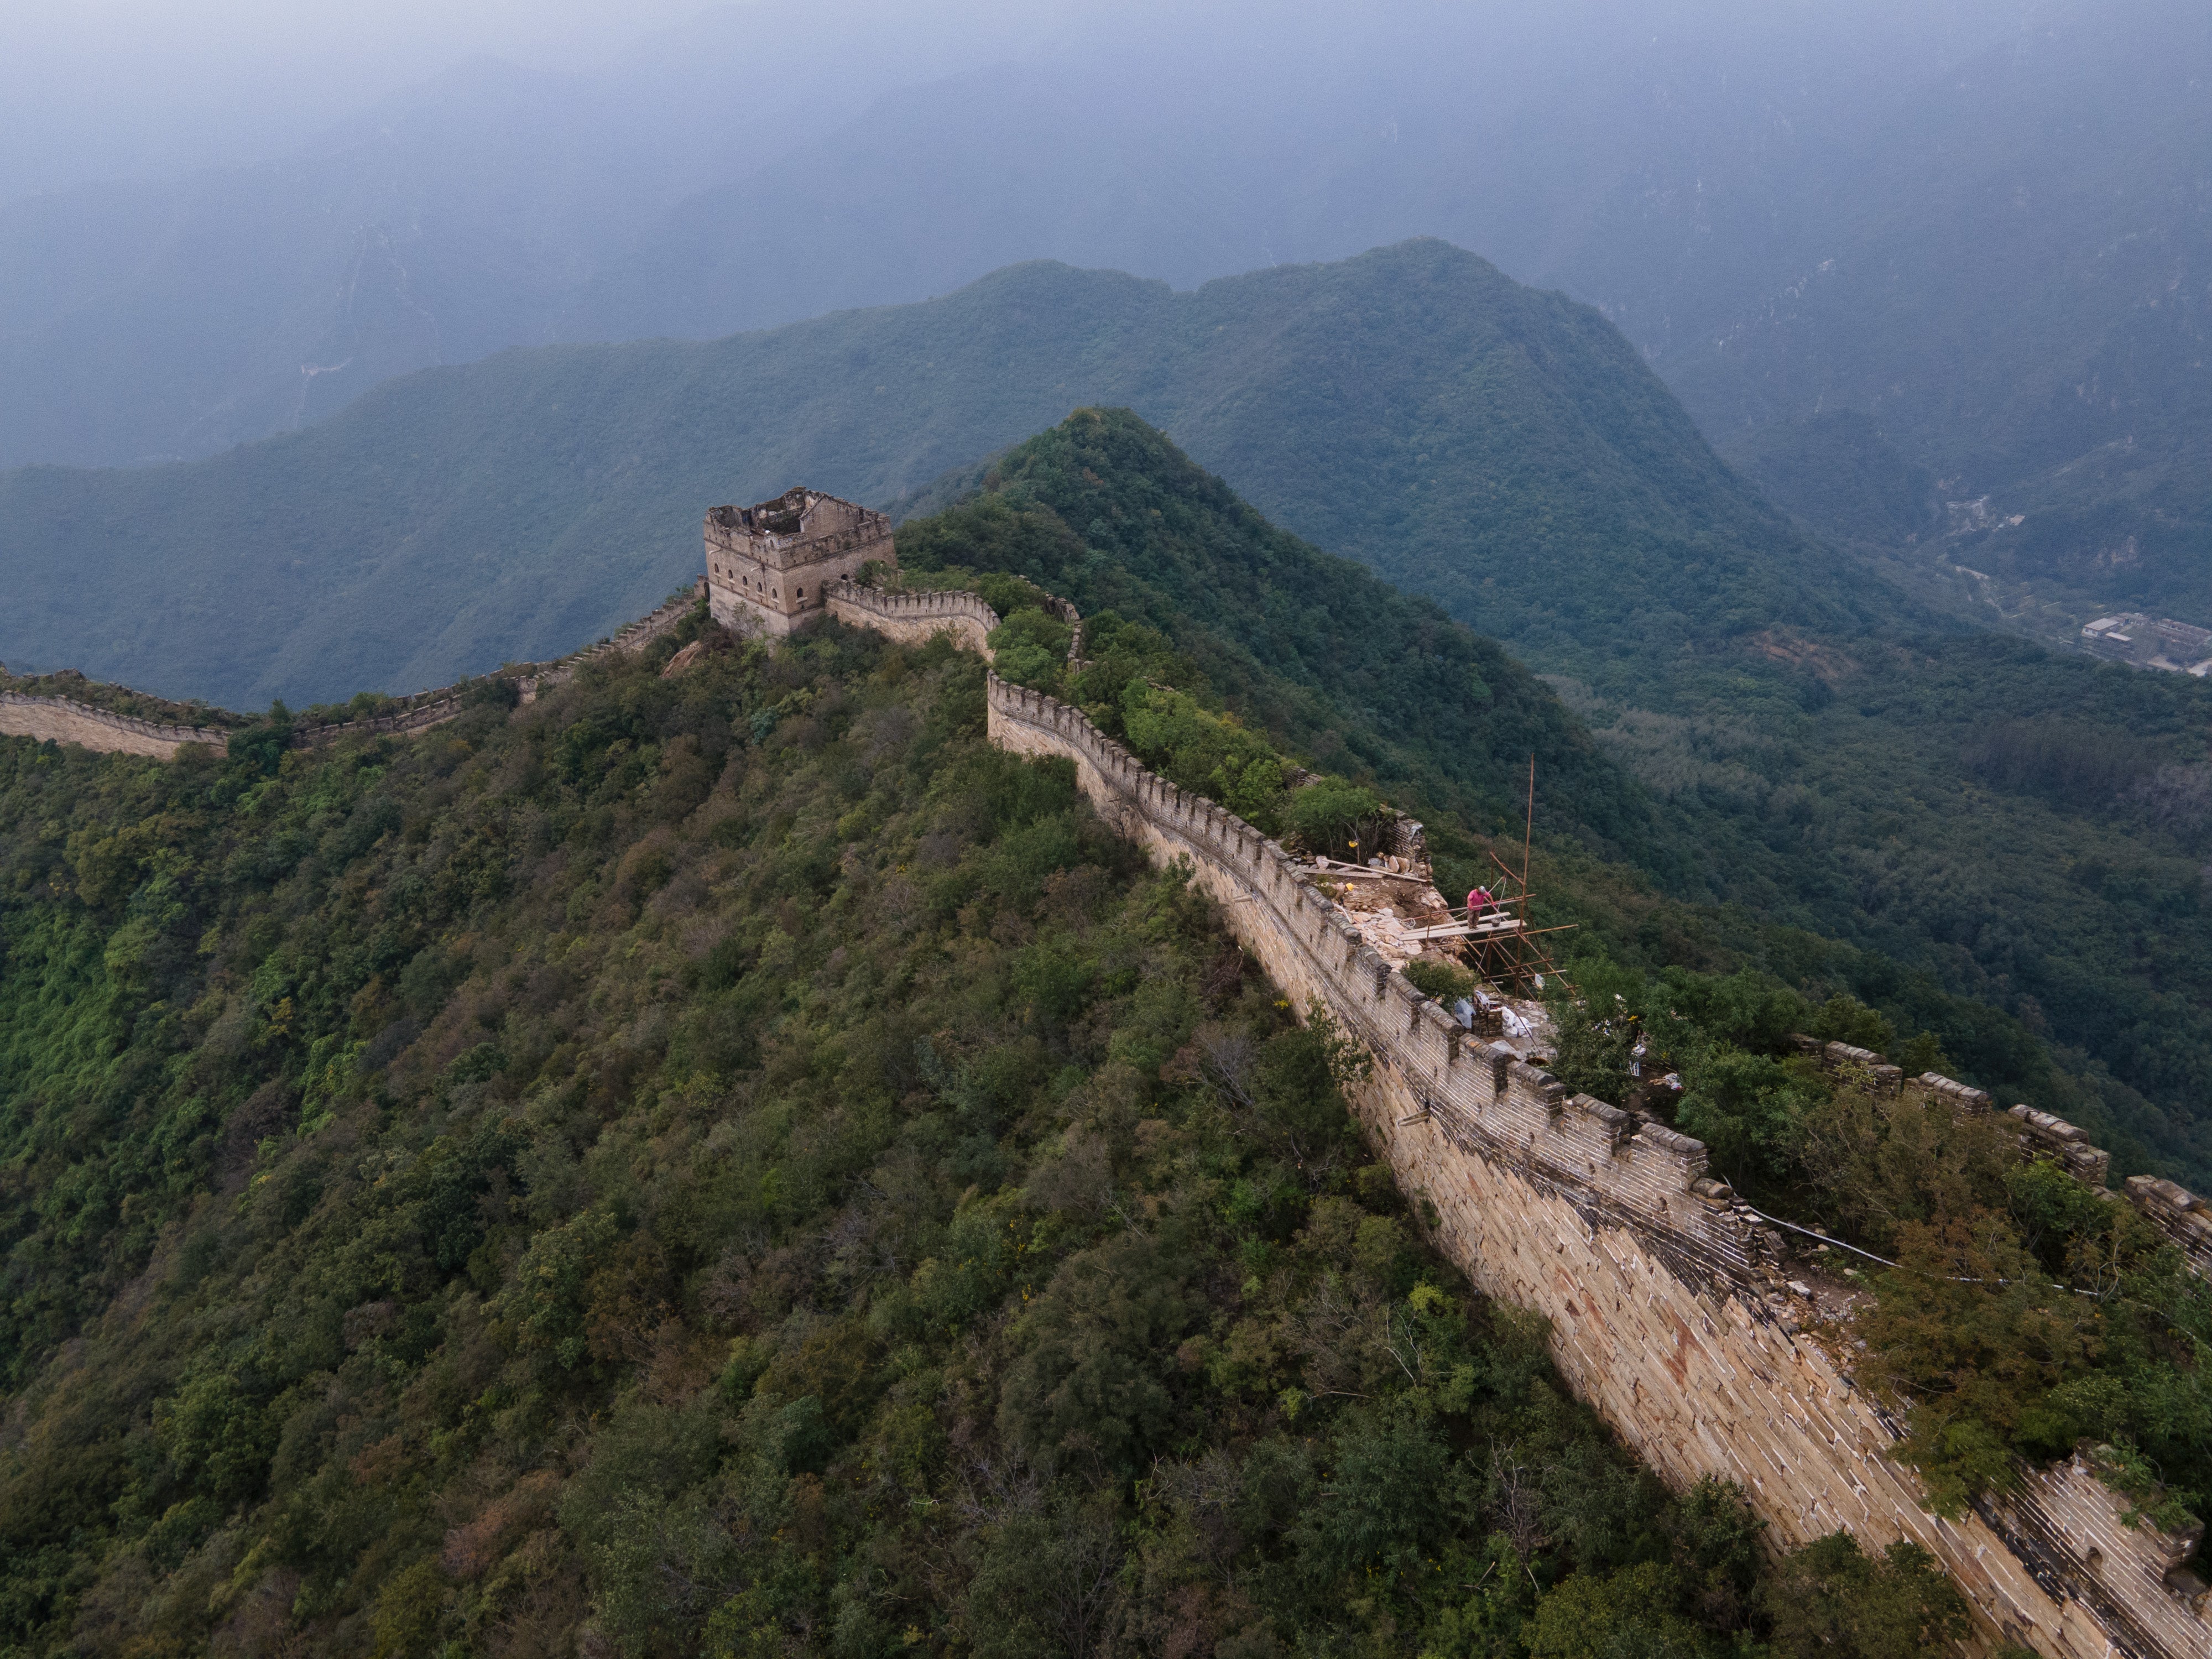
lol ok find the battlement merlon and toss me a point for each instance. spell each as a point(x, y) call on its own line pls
point(773, 562)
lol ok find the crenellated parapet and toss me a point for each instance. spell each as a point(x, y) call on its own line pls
point(1936, 1085)
point(1843, 1059)
point(2179, 1214)
point(404, 722)
point(534, 679)
point(1631, 1171)
point(916, 616)
point(2048, 1136)
point(62, 719)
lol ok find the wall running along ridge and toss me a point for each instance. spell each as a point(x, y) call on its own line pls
point(632, 638)
point(1659, 1287)
point(65, 721)
point(62, 720)
point(1668, 1312)
point(915, 618)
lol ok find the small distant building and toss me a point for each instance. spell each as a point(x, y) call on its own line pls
point(2150, 641)
point(2115, 637)
point(773, 562)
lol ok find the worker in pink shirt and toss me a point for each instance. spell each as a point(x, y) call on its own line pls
point(1478, 901)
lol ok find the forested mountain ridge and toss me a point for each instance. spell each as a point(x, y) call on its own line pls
point(1967, 811)
point(1935, 279)
point(712, 1162)
point(1412, 407)
point(1501, 448)
point(2000, 268)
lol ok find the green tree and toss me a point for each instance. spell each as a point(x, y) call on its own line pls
point(1832, 1601)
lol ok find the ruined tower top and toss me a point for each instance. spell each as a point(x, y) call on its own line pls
point(772, 563)
point(794, 527)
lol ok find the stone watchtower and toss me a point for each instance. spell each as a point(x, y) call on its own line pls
point(773, 562)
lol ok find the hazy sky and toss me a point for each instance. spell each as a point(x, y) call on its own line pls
point(117, 88)
point(107, 88)
point(99, 88)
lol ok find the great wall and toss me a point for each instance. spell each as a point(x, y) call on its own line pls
point(104, 730)
point(64, 720)
point(1671, 1309)
point(1671, 1304)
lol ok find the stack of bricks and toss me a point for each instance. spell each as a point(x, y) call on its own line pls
point(2057, 1138)
point(2179, 1214)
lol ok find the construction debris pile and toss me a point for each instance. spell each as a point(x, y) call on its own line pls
point(1393, 903)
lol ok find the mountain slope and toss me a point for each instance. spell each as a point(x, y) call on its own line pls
point(1336, 665)
point(2003, 265)
point(1982, 226)
point(1821, 775)
point(718, 1157)
point(1880, 816)
point(1412, 406)
point(678, 189)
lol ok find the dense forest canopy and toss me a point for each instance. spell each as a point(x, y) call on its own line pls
point(2104, 1338)
point(729, 1162)
point(722, 1160)
point(714, 1159)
